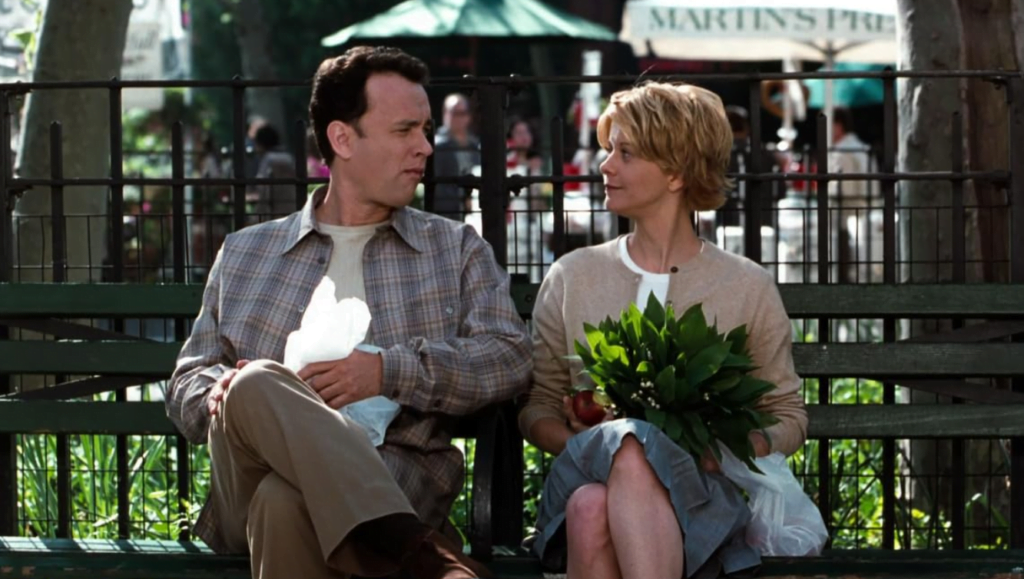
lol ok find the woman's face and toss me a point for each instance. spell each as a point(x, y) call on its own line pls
point(634, 187)
point(520, 137)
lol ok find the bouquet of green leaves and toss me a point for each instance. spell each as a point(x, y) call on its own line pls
point(680, 375)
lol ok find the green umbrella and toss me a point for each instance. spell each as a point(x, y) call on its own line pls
point(847, 92)
point(504, 19)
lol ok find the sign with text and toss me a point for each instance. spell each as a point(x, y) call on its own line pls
point(156, 47)
point(661, 19)
point(143, 60)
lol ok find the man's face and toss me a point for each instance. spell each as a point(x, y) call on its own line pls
point(388, 160)
point(456, 116)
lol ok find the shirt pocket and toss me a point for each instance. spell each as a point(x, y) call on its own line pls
point(431, 318)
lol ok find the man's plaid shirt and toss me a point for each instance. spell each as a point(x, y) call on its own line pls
point(452, 340)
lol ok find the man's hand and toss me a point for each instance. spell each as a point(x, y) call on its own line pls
point(761, 448)
point(220, 387)
point(342, 382)
point(574, 422)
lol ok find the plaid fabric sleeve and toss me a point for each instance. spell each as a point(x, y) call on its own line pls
point(201, 362)
point(490, 361)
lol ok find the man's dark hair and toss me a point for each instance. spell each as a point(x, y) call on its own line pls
point(339, 87)
point(267, 137)
point(843, 117)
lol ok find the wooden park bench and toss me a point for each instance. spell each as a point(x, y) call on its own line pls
point(938, 364)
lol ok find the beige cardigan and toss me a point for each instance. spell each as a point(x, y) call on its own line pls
point(590, 284)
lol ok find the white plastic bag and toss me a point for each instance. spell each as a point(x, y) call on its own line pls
point(785, 522)
point(330, 330)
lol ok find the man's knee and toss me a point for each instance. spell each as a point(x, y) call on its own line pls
point(252, 383)
point(587, 508)
point(275, 503)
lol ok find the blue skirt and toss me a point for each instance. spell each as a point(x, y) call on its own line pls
point(711, 511)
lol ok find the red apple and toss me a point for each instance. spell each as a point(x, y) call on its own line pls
point(590, 407)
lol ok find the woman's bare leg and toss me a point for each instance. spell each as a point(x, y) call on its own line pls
point(644, 529)
point(591, 553)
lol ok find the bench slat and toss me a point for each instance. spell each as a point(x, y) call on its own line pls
point(68, 417)
point(908, 360)
point(900, 360)
point(835, 421)
point(801, 300)
point(82, 559)
point(903, 300)
point(99, 300)
point(74, 559)
point(139, 358)
point(915, 421)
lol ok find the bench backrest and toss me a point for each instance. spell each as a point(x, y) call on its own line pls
point(938, 363)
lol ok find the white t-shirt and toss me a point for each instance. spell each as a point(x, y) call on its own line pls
point(346, 266)
point(649, 282)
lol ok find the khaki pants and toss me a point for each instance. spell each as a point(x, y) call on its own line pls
point(292, 477)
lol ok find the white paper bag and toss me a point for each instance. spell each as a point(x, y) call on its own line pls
point(785, 522)
point(330, 330)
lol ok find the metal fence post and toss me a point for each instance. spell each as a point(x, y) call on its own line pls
point(1015, 92)
point(958, 446)
point(889, 135)
point(180, 262)
point(59, 265)
point(117, 275)
point(755, 189)
point(824, 323)
point(8, 453)
point(493, 188)
point(238, 151)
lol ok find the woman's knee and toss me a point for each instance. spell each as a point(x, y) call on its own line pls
point(630, 457)
point(587, 508)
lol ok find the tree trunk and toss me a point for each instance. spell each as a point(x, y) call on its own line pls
point(989, 44)
point(930, 32)
point(931, 41)
point(941, 35)
point(83, 40)
point(541, 57)
point(254, 44)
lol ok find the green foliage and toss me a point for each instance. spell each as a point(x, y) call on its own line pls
point(28, 37)
point(681, 375)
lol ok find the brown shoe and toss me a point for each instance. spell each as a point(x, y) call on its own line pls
point(438, 557)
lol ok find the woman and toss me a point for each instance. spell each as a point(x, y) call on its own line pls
point(519, 143)
point(626, 500)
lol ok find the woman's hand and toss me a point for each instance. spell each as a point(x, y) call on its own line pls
point(709, 463)
point(574, 422)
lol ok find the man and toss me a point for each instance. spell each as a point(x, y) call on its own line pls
point(273, 201)
point(293, 482)
point(252, 159)
point(850, 201)
point(740, 162)
point(456, 152)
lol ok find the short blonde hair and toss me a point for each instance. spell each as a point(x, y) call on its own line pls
point(683, 129)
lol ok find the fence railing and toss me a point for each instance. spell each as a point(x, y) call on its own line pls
point(808, 234)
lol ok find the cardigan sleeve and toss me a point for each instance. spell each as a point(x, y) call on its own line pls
point(551, 374)
point(771, 347)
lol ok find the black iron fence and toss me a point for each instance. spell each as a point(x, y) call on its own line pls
point(166, 228)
